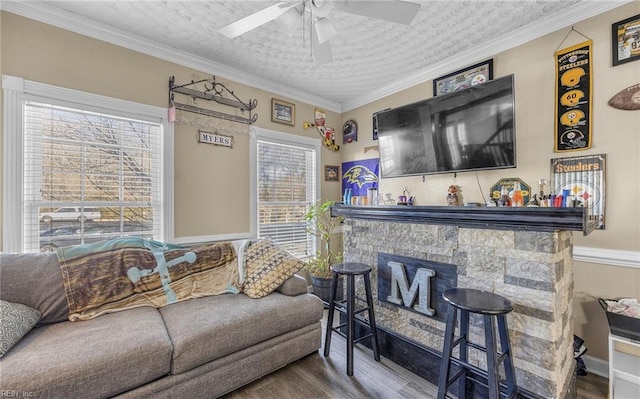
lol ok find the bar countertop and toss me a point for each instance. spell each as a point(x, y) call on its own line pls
point(496, 218)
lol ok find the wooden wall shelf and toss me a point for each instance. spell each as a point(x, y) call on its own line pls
point(496, 218)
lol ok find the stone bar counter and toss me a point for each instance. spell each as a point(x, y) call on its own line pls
point(523, 254)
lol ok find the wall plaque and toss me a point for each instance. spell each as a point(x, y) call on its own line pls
point(215, 139)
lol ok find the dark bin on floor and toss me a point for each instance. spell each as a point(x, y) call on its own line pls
point(621, 325)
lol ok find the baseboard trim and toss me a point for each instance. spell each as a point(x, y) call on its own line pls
point(596, 366)
point(604, 256)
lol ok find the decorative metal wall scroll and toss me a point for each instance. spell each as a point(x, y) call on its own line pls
point(213, 91)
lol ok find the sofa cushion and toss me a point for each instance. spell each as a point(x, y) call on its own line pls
point(206, 329)
point(296, 285)
point(89, 359)
point(267, 266)
point(17, 320)
point(34, 279)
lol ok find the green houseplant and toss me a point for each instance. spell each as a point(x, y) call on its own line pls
point(321, 224)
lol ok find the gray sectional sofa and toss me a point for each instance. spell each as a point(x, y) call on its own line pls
point(198, 348)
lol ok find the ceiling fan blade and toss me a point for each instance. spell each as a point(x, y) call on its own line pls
point(324, 30)
point(393, 11)
point(256, 19)
point(321, 51)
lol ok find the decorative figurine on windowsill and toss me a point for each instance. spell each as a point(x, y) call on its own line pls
point(452, 195)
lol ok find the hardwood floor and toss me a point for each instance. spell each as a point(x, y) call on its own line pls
point(317, 377)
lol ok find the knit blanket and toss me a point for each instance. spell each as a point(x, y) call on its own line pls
point(130, 272)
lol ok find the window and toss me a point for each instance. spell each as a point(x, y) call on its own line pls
point(87, 170)
point(286, 180)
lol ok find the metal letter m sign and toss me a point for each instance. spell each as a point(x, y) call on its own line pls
point(402, 295)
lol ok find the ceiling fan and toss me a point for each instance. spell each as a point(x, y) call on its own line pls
point(291, 13)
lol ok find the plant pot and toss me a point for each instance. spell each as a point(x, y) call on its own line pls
point(322, 288)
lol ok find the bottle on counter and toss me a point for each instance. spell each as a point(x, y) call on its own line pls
point(517, 199)
point(504, 197)
point(372, 196)
point(347, 197)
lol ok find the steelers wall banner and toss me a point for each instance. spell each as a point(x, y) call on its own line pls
point(573, 98)
point(582, 179)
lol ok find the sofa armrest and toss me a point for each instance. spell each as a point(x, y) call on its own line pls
point(296, 285)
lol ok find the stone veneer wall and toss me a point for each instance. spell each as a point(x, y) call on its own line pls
point(532, 269)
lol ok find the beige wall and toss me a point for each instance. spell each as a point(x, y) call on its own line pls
point(615, 133)
point(215, 181)
point(211, 183)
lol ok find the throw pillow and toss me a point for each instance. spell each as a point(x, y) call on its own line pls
point(267, 266)
point(17, 321)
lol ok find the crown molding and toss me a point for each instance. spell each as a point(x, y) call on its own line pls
point(43, 12)
point(47, 14)
point(584, 10)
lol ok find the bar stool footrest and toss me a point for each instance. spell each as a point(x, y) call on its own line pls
point(453, 379)
point(469, 366)
point(503, 387)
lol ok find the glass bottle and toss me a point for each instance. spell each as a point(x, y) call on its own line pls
point(504, 197)
point(517, 199)
point(347, 196)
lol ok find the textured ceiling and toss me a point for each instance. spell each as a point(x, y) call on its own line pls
point(368, 54)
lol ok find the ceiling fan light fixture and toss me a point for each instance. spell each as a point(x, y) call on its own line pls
point(324, 30)
point(290, 20)
point(320, 52)
point(321, 8)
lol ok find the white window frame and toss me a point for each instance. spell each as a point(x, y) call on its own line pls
point(18, 90)
point(261, 134)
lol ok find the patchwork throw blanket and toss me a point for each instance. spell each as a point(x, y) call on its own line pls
point(130, 272)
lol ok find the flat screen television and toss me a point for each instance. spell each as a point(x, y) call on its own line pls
point(466, 130)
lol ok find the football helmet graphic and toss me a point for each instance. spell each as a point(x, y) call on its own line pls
point(572, 77)
point(571, 98)
point(572, 118)
point(572, 137)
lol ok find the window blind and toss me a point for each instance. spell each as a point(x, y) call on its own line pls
point(286, 189)
point(89, 176)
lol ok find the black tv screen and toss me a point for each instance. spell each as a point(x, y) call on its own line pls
point(470, 129)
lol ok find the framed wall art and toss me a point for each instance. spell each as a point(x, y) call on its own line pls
point(331, 173)
point(467, 77)
point(583, 179)
point(625, 40)
point(283, 112)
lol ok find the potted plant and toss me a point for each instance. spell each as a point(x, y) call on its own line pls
point(322, 225)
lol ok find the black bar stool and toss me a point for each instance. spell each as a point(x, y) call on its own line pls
point(490, 306)
point(347, 307)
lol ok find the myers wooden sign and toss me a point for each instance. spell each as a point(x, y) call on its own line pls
point(215, 139)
